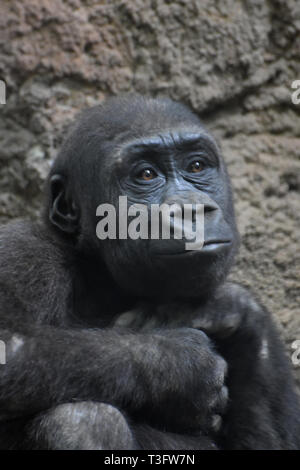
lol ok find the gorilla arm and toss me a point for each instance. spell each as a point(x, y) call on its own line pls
point(138, 373)
point(46, 366)
point(264, 411)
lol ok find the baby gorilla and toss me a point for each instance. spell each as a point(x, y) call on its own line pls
point(136, 343)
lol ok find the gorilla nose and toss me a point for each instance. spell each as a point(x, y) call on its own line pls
point(192, 200)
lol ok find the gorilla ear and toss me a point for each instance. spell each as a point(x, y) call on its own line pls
point(63, 213)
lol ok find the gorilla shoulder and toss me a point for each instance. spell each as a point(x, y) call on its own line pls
point(33, 272)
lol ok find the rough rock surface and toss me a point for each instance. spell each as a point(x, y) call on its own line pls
point(233, 62)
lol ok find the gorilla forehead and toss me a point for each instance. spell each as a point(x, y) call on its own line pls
point(121, 118)
point(106, 129)
point(138, 116)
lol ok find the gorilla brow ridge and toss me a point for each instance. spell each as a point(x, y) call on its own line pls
point(178, 140)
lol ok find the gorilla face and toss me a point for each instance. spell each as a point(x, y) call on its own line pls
point(159, 154)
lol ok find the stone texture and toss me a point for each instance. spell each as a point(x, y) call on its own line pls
point(233, 62)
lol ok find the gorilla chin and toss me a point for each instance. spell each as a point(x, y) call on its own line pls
point(175, 273)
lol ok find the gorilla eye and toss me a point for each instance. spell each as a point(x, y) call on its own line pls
point(196, 167)
point(147, 174)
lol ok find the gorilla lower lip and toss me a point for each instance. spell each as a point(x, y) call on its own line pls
point(213, 245)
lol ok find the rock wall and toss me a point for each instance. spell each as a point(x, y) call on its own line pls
point(232, 61)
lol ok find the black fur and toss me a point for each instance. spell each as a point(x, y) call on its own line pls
point(132, 344)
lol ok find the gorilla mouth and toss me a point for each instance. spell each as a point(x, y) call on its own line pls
point(211, 246)
point(215, 243)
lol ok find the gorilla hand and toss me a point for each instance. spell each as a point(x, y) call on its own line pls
point(233, 312)
point(215, 322)
point(183, 382)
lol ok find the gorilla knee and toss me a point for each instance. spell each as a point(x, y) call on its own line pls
point(83, 426)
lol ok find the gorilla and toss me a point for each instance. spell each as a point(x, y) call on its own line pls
point(136, 343)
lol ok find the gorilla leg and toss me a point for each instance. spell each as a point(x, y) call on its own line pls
point(81, 426)
point(98, 426)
